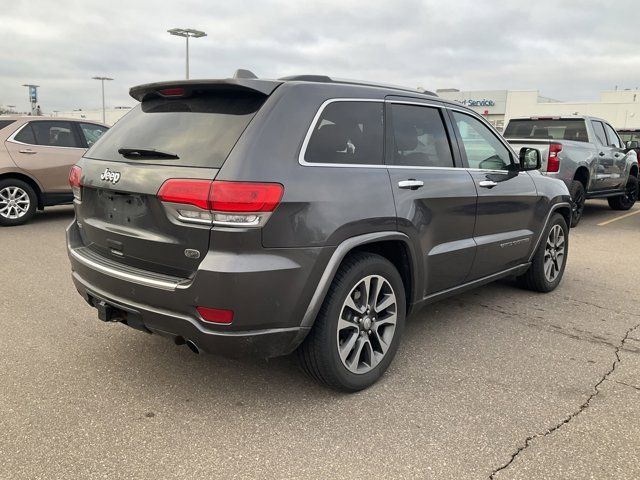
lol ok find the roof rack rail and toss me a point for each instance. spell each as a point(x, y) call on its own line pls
point(327, 79)
point(308, 78)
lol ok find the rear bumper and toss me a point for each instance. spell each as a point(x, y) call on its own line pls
point(268, 294)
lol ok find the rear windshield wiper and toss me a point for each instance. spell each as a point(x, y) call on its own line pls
point(145, 153)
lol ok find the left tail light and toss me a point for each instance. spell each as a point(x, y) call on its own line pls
point(75, 174)
point(553, 161)
point(234, 204)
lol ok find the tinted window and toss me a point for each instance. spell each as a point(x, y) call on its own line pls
point(54, 134)
point(5, 123)
point(92, 132)
point(201, 130)
point(630, 136)
point(482, 147)
point(599, 131)
point(420, 137)
point(612, 137)
point(348, 132)
point(558, 129)
point(25, 135)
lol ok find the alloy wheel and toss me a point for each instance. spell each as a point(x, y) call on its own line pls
point(554, 253)
point(14, 202)
point(578, 204)
point(367, 324)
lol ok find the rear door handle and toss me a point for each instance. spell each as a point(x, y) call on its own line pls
point(601, 154)
point(487, 183)
point(410, 184)
point(28, 151)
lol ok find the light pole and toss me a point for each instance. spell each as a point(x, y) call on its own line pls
point(102, 79)
point(187, 32)
point(33, 96)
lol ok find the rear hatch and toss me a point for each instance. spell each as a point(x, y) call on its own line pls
point(179, 131)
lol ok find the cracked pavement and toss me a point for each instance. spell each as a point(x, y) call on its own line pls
point(496, 383)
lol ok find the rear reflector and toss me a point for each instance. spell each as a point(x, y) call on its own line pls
point(553, 162)
point(75, 174)
point(215, 315)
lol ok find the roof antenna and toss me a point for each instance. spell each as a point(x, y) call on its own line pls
point(242, 73)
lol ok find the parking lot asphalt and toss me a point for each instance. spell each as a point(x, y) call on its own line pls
point(496, 383)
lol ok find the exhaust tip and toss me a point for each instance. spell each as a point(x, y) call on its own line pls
point(192, 346)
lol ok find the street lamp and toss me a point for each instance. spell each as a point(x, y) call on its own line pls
point(187, 32)
point(102, 79)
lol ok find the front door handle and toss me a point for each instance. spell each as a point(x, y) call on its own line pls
point(28, 151)
point(487, 183)
point(411, 184)
point(601, 154)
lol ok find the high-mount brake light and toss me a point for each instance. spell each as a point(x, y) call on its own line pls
point(75, 175)
point(241, 204)
point(553, 162)
point(172, 92)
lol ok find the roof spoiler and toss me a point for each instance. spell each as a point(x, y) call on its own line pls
point(241, 83)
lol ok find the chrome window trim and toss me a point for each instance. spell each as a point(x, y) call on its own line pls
point(435, 104)
point(12, 139)
point(316, 117)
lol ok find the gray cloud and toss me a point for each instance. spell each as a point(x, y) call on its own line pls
point(569, 50)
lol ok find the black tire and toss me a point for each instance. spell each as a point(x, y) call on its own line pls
point(11, 183)
point(319, 354)
point(578, 197)
point(626, 201)
point(535, 278)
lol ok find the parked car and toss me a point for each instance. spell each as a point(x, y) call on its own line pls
point(631, 138)
point(248, 216)
point(586, 153)
point(35, 158)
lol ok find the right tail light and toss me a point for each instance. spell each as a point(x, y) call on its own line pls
point(553, 162)
point(242, 204)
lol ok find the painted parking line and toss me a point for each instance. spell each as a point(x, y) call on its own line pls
point(618, 218)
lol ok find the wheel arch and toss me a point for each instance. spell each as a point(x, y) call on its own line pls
point(29, 181)
point(582, 175)
point(394, 246)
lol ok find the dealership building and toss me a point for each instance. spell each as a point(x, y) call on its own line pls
point(621, 108)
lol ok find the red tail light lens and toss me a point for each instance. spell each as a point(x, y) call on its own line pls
point(245, 196)
point(215, 315)
point(553, 162)
point(172, 92)
point(75, 174)
point(186, 191)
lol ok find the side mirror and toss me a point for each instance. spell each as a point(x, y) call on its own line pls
point(632, 144)
point(530, 159)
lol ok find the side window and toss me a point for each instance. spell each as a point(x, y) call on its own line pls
point(482, 147)
point(599, 131)
point(612, 137)
point(348, 132)
point(54, 134)
point(420, 138)
point(26, 135)
point(92, 132)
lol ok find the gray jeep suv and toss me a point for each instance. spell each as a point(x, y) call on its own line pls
point(247, 216)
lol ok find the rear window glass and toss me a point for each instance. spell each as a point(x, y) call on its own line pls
point(54, 134)
point(201, 131)
point(630, 136)
point(348, 132)
point(575, 130)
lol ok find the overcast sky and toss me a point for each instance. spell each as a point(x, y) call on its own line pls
point(569, 50)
